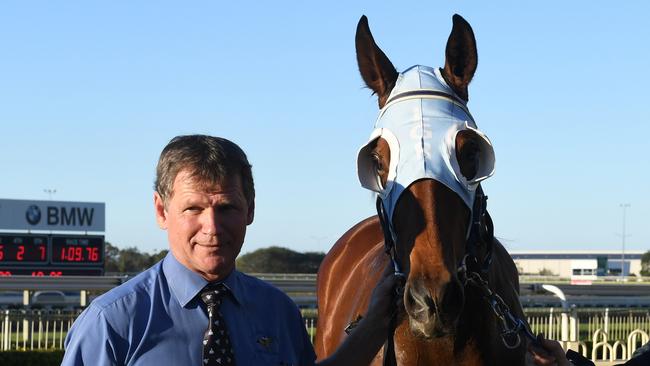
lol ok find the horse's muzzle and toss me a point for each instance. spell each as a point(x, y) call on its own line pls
point(433, 313)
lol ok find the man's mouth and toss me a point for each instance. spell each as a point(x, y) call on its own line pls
point(209, 245)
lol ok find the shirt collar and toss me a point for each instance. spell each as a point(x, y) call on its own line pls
point(186, 284)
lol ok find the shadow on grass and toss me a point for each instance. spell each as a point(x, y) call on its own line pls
point(31, 358)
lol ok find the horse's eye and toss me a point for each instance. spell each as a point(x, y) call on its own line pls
point(469, 160)
point(379, 166)
point(471, 153)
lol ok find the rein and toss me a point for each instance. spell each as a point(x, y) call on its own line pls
point(471, 271)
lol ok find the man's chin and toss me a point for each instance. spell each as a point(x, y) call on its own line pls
point(216, 266)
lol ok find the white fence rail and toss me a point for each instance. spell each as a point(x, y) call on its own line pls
point(34, 329)
point(606, 337)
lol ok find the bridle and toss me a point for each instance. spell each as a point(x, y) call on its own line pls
point(473, 268)
point(471, 271)
point(425, 111)
point(481, 235)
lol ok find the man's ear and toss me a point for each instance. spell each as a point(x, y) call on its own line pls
point(161, 214)
point(251, 213)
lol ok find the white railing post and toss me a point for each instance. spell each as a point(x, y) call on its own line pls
point(574, 328)
point(632, 339)
point(550, 324)
point(25, 298)
point(83, 298)
point(5, 331)
point(606, 321)
point(25, 327)
point(564, 325)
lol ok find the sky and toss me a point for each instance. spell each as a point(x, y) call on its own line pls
point(90, 93)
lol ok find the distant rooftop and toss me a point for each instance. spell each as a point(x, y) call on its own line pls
point(576, 254)
point(615, 251)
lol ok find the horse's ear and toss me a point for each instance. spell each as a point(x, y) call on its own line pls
point(461, 57)
point(375, 68)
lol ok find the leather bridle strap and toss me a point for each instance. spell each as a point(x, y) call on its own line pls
point(481, 234)
point(389, 248)
point(389, 237)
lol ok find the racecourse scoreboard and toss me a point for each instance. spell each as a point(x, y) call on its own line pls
point(51, 254)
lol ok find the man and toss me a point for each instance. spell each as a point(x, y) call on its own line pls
point(194, 307)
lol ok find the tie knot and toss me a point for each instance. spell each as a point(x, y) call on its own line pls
point(213, 293)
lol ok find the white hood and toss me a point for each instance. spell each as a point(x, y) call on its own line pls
point(420, 122)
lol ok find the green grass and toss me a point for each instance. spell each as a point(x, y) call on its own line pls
point(33, 358)
point(17, 341)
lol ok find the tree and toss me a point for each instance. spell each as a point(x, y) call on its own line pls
point(129, 260)
point(279, 260)
point(112, 253)
point(311, 262)
point(546, 272)
point(157, 257)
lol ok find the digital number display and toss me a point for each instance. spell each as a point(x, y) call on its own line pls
point(87, 250)
point(51, 255)
point(23, 249)
point(50, 272)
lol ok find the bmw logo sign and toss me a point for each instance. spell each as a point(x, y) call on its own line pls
point(33, 214)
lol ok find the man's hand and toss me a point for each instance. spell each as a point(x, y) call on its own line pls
point(549, 354)
point(386, 300)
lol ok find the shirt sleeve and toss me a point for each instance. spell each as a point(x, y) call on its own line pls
point(90, 340)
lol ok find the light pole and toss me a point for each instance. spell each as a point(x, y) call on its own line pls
point(624, 206)
point(50, 192)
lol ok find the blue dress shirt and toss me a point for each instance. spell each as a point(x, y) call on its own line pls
point(156, 318)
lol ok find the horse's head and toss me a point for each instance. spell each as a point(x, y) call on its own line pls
point(425, 160)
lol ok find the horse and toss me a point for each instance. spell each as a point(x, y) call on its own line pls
point(425, 160)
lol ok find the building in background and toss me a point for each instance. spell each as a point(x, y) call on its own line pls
point(567, 263)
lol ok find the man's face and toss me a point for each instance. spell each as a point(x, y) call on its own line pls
point(205, 223)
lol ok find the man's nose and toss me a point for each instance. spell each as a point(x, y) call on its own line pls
point(210, 222)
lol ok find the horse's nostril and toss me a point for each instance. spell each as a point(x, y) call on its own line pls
point(453, 300)
point(410, 300)
point(431, 305)
point(419, 303)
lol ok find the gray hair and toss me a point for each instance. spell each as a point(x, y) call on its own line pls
point(207, 158)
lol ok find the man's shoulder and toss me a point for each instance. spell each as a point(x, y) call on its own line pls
point(130, 292)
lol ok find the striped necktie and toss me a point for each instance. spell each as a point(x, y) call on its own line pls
point(217, 349)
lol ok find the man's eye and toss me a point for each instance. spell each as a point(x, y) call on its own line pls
point(227, 207)
point(193, 209)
